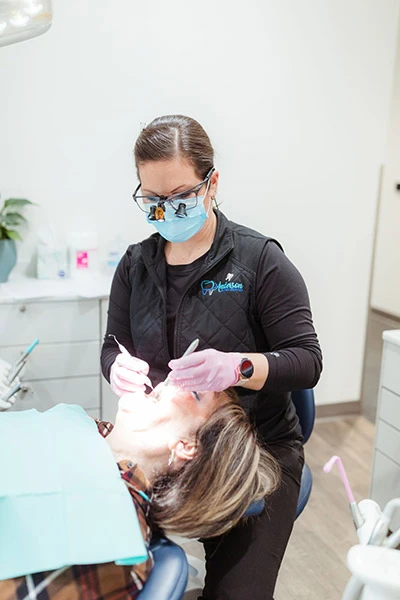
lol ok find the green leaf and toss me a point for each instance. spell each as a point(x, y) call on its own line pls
point(13, 235)
point(14, 202)
point(12, 218)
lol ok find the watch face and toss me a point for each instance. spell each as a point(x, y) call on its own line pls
point(246, 368)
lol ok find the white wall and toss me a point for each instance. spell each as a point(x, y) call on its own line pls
point(385, 293)
point(295, 96)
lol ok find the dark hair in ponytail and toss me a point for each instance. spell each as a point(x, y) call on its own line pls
point(173, 136)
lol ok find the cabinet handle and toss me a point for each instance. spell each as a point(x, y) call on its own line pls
point(22, 308)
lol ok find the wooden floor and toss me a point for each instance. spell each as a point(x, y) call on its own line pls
point(314, 567)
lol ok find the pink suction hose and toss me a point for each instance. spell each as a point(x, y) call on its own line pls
point(358, 519)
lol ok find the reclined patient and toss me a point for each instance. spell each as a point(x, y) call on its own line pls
point(192, 464)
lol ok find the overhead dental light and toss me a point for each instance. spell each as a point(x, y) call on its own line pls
point(23, 19)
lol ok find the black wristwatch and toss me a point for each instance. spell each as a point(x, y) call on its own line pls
point(245, 369)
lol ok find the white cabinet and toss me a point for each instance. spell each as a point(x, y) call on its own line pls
point(385, 483)
point(51, 322)
point(65, 366)
point(44, 394)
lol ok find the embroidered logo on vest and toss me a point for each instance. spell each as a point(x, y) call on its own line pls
point(208, 286)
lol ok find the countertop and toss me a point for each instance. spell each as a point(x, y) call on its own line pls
point(392, 336)
point(29, 289)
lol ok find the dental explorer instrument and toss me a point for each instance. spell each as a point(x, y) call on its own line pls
point(123, 350)
point(191, 348)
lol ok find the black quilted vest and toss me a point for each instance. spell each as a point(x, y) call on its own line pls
point(218, 307)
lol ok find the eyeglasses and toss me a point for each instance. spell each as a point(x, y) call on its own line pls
point(188, 197)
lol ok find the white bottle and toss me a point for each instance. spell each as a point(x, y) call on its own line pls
point(51, 256)
point(116, 250)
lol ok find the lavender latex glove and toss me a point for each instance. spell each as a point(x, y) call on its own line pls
point(206, 370)
point(128, 374)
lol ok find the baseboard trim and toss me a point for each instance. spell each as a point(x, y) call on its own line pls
point(340, 409)
point(392, 320)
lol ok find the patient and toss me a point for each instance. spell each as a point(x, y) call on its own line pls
point(192, 465)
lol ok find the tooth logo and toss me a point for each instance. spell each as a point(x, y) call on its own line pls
point(208, 286)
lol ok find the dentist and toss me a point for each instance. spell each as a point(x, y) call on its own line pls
point(203, 276)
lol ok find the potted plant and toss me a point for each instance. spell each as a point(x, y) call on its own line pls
point(10, 220)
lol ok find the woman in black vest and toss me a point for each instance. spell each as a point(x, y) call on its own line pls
point(203, 276)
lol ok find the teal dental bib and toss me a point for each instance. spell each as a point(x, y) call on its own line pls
point(62, 499)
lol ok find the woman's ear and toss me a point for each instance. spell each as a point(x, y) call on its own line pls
point(184, 449)
point(214, 183)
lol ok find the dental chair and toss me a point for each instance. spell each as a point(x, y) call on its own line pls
point(169, 577)
point(304, 403)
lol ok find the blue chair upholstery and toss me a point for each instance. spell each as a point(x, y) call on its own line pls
point(305, 489)
point(304, 403)
point(169, 576)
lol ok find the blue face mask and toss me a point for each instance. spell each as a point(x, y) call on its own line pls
point(175, 229)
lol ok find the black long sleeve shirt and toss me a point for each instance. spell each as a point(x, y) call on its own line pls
point(279, 315)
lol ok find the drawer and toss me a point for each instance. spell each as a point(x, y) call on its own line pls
point(389, 408)
point(390, 376)
point(45, 394)
point(49, 361)
point(387, 440)
point(386, 483)
point(71, 321)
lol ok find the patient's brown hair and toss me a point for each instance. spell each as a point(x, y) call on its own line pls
point(211, 492)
